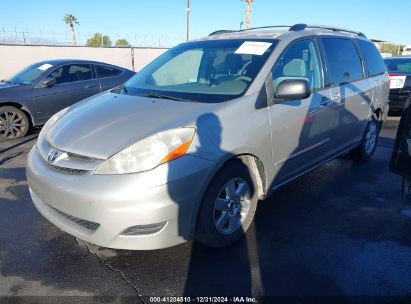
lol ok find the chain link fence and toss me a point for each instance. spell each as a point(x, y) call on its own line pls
point(52, 38)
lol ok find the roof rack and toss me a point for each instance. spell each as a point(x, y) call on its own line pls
point(295, 27)
point(302, 26)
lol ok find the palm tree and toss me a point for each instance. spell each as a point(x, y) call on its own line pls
point(248, 13)
point(71, 20)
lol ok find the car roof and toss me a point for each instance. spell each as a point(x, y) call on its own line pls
point(79, 61)
point(283, 32)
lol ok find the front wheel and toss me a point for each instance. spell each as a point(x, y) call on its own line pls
point(228, 206)
point(368, 145)
point(13, 123)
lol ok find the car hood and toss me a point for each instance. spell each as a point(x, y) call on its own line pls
point(11, 90)
point(5, 85)
point(108, 123)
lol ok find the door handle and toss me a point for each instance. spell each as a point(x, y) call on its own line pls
point(89, 86)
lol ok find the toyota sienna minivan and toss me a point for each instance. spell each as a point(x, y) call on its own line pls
point(188, 146)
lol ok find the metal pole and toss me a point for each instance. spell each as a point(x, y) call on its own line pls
point(188, 20)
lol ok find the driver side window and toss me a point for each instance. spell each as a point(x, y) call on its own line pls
point(300, 61)
point(71, 73)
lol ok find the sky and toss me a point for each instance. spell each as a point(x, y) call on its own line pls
point(166, 19)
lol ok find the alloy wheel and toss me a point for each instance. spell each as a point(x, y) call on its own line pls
point(12, 124)
point(232, 205)
point(371, 137)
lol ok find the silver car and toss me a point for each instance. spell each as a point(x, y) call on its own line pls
point(189, 145)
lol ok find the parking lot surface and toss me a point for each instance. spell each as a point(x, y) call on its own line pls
point(342, 230)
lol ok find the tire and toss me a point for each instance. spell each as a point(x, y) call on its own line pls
point(13, 123)
point(224, 217)
point(406, 190)
point(366, 149)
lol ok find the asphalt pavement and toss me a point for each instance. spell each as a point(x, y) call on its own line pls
point(341, 230)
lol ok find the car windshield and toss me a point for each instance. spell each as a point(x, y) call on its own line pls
point(30, 74)
point(398, 65)
point(205, 71)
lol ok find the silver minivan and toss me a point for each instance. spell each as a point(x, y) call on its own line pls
point(188, 146)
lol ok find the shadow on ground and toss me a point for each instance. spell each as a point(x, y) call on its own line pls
point(339, 230)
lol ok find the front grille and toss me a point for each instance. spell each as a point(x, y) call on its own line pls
point(84, 223)
point(68, 170)
point(81, 157)
point(81, 163)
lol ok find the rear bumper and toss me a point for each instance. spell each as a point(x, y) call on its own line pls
point(100, 208)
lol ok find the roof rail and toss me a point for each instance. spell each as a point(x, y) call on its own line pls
point(263, 27)
point(302, 26)
point(244, 30)
point(221, 32)
point(295, 27)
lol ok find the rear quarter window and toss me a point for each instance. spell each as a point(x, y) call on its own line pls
point(343, 61)
point(107, 71)
point(372, 58)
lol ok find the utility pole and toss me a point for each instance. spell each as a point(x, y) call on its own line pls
point(188, 19)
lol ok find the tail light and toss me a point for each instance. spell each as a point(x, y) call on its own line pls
point(397, 81)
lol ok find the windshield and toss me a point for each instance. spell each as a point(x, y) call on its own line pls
point(30, 74)
point(400, 65)
point(205, 71)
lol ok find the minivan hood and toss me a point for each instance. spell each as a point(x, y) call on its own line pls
point(108, 123)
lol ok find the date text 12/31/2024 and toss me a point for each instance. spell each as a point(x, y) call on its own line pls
point(203, 300)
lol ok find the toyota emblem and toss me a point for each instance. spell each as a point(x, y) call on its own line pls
point(53, 154)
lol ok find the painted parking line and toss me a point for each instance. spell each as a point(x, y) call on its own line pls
point(18, 143)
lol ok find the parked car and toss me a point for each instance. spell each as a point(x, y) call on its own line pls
point(406, 51)
point(188, 146)
point(33, 95)
point(401, 155)
point(399, 69)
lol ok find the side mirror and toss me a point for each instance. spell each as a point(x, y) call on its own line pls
point(48, 82)
point(292, 89)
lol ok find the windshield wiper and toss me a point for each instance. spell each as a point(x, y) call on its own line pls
point(162, 96)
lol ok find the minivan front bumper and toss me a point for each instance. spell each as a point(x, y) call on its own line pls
point(149, 210)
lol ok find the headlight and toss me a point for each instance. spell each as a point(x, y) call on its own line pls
point(149, 152)
point(49, 123)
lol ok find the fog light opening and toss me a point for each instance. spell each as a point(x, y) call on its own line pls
point(144, 229)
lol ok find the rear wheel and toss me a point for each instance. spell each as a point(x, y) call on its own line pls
point(366, 148)
point(228, 206)
point(13, 123)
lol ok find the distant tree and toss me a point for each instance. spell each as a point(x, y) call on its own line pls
point(99, 40)
point(248, 13)
point(122, 43)
point(394, 49)
point(71, 21)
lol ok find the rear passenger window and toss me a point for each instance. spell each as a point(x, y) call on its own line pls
point(106, 71)
point(343, 61)
point(300, 61)
point(372, 58)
